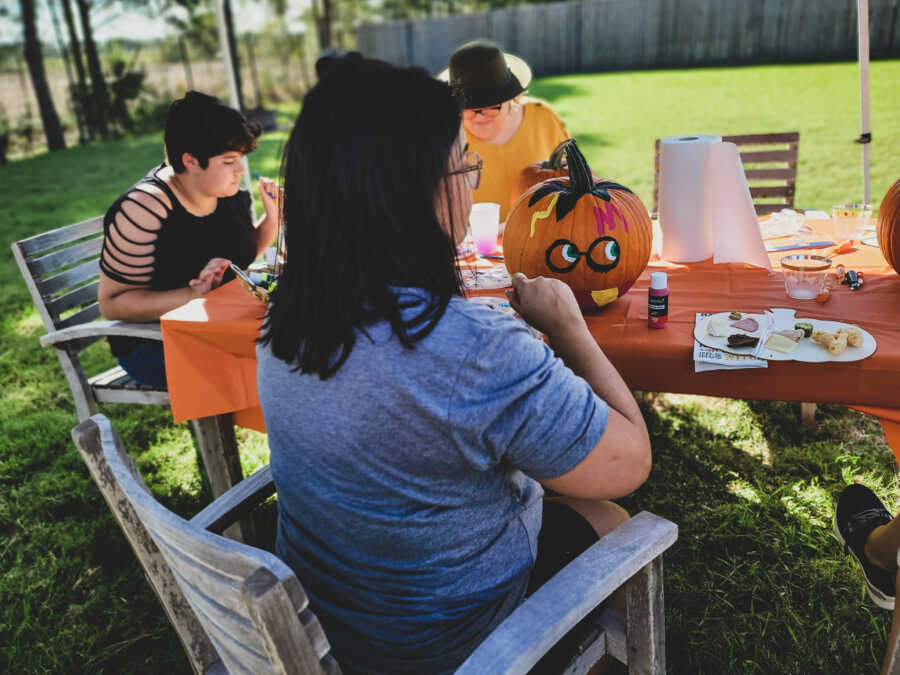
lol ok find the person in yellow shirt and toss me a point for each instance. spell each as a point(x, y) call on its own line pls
point(509, 131)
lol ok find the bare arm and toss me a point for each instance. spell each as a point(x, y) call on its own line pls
point(129, 303)
point(621, 460)
point(267, 225)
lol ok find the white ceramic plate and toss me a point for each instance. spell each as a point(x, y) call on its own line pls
point(807, 350)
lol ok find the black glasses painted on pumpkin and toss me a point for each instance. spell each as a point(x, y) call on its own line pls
point(602, 255)
point(487, 113)
point(472, 169)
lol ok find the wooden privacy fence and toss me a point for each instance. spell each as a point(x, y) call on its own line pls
point(598, 35)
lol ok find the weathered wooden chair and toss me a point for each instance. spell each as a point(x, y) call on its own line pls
point(240, 609)
point(61, 270)
point(778, 155)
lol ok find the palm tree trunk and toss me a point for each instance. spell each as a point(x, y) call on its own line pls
point(32, 49)
point(80, 93)
point(73, 100)
point(235, 57)
point(186, 61)
point(99, 93)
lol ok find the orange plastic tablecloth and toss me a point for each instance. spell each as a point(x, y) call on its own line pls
point(210, 358)
point(210, 355)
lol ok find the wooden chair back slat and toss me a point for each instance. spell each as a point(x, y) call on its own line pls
point(770, 191)
point(769, 174)
point(769, 156)
point(76, 298)
point(765, 209)
point(81, 316)
point(61, 235)
point(66, 256)
point(71, 277)
point(761, 151)
point(764, 139)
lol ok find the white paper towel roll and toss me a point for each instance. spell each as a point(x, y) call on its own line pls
point(705, 208)
point(684, 202)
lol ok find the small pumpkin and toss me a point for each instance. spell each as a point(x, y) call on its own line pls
point(889, 226)
point(552, 167)
point(593, 234)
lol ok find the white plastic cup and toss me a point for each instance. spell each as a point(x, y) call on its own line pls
point(484, 220)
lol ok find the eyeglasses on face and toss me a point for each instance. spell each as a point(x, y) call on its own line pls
point(488, 113)
point(472, 169)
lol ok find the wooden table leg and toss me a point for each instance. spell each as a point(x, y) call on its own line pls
point(219, 451)
point(808, 413)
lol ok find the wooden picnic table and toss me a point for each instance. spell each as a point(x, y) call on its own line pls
point(211, 362)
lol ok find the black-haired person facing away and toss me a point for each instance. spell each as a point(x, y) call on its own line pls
point(170, 237)
point(410, 430)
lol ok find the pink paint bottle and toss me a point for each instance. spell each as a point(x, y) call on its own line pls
point(658, 300)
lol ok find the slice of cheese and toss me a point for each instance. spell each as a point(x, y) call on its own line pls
point(717, 326)
point(780, 343)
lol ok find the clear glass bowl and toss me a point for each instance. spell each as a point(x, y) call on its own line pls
point(805, 275)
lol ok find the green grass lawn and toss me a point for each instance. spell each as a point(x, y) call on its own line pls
point(755, 583)
point(617, 116)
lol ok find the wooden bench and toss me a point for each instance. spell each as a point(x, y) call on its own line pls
point(775, 179)
point(240, 609)
point(61, 270)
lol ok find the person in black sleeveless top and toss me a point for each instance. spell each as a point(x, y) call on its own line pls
point(171, 236)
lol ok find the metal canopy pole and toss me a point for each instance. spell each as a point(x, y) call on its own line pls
point(225, 46)
point(865, 133)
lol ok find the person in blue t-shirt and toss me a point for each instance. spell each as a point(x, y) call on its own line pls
point(411, 431)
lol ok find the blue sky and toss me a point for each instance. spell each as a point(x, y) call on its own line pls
point(114, 22)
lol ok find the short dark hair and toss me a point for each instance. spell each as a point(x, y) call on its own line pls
point(364, 162)
point(204, 127)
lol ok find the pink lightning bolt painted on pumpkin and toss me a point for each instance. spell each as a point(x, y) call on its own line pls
point(608, 216)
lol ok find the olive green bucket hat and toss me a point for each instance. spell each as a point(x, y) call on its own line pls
point(485, 75)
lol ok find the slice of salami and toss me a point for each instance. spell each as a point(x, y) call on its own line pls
point(749, 325)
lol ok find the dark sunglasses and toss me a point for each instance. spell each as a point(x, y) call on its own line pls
point(488, 112)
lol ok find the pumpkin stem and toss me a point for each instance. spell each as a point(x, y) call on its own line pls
point(556, 157)
point(581, 181)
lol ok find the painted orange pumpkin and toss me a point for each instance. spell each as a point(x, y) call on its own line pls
point(889, 226)
point(594, 235)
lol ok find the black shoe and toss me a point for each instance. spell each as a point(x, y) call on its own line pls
point(859, 512)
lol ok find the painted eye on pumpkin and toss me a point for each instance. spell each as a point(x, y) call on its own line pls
point(603, 254)
point(562, 256)
point(570, 253)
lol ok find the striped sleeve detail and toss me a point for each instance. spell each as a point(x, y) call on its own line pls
point(129, 247)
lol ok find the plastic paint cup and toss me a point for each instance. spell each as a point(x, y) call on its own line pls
point(484, 220)
point(849, 220)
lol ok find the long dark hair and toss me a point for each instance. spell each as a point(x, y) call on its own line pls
point(361, 169)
